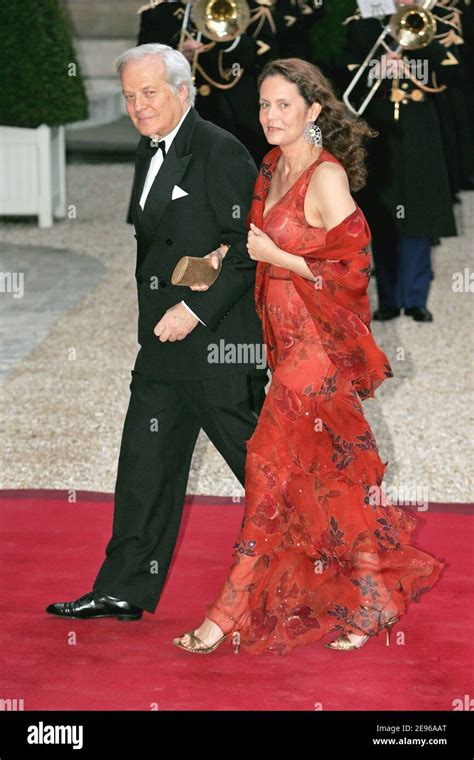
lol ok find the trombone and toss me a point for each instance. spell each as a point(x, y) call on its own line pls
point(413, 27)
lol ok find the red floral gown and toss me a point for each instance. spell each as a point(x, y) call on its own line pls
point(318, 550)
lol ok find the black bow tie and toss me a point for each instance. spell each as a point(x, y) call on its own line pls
point(153, 145)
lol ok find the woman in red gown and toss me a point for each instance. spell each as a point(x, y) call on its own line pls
point(319, 549)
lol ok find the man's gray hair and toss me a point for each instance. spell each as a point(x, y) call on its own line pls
point(177, 68)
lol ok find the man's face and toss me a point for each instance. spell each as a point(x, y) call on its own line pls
point(152, 105)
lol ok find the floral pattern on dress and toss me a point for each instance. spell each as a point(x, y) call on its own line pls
point(317, 553)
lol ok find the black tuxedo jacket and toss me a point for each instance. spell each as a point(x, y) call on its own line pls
point(218, 175)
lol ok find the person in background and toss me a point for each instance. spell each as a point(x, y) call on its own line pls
point(407, 199)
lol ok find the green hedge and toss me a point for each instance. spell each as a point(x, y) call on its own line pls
point(328, 35)
point(36, 52)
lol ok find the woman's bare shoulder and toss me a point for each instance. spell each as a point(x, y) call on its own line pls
point(329, 172)
point(329, 180)
point(329, 193)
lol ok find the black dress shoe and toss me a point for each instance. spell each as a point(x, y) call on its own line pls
point(95, 605)
point(419, 314)
point(385, 312)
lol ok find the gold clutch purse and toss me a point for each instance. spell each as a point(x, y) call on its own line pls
point(193, 270)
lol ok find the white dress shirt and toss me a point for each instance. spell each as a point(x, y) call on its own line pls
point(154, 168)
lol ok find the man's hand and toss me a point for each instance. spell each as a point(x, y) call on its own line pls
point(216, 258)
point(387, 68)
point(189, 47)
point(176, 323)
point(451, 38)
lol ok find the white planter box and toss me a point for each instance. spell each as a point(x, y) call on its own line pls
point(33, 173)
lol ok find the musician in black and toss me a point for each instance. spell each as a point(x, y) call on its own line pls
point(226, 72)
point(407, 199)
point(452, 104)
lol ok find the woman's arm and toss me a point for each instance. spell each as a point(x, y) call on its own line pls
point(328, 199)
point(216, 257)
point(294, 263)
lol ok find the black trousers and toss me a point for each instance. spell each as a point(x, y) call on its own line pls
point(160, 431)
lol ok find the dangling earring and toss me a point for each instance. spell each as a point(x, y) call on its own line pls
point(313, 134)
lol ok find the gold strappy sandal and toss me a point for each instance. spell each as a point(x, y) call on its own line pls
point(344, 644)
point(196, 644)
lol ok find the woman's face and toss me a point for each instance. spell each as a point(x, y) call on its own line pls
point(284, 113)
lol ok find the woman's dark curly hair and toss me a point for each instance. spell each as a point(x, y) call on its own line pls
point(342, 136)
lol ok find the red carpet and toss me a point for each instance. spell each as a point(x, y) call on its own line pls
point(52, 550)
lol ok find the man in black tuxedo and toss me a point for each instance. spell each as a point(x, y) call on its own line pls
point(190, 195)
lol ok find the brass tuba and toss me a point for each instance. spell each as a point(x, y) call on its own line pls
point(220, 20)
point(413, 27)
